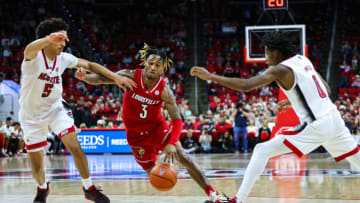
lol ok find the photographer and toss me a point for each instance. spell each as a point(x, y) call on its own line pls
point(241, 117)
point(205, 141)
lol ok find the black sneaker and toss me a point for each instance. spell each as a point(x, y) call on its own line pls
point(94, 194)
point(42, 194)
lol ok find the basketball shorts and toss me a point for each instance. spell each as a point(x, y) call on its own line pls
point(147, 150)
point(329, 131)
point(60, 122)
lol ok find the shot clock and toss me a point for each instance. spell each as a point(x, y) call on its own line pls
point(275, 4)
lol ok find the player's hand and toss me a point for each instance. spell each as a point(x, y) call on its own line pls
point(124, 82)
point(201, 72)
point(170, 154)
point(80, 74)
point(57, 37)
point(283, 105)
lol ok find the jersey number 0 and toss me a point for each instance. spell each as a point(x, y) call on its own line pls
point(320, 90)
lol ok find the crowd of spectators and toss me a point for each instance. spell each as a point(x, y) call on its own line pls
point(349, 68)
point(224, 41)
point(117, 38)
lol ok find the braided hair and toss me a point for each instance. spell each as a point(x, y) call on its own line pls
point(147, 50)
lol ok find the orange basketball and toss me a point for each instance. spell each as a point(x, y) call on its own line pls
point(163, 177)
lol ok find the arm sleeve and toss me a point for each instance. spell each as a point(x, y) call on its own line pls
point(176, 131)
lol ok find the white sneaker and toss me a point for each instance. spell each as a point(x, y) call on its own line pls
point(216, 198)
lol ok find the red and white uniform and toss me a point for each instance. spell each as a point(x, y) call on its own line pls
point(146, 129)
point(40, 99)
point(320, 121)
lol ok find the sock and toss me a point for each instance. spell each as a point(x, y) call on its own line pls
point(86, 183)
point(43, 186)
point(209, 189)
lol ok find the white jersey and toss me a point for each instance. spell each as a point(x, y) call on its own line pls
point(308, 96)
point(41, 85)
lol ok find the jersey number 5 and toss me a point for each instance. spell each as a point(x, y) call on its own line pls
point(47, 90)
point(143, 115)
point(321, 91)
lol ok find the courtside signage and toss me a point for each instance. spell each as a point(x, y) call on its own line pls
point(103, 141)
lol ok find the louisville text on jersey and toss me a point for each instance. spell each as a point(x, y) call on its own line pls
point(144, 99)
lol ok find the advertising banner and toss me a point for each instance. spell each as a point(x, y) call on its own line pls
point(103, 141)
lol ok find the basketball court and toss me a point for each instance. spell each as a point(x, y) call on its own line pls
point(316, 178)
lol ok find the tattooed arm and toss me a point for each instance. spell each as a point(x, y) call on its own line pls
point(96, 79)
point(170, 104)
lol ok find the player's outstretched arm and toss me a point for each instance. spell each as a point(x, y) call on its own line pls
point(34, 47)
point(121, 81)
point(96, 79)
point(273, 73)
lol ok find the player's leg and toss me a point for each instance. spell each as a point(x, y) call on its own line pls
point(37, 166)
point(344, 146)
point(355, 160)
point(191, 166)
point(72, 144)
point(62, 124)
point(196, 173)
point(261, 154)
point(300, 140)
point(35, 140)
point(340, 143)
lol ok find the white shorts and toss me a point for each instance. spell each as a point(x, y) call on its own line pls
point(60, 122)
point(329, 131)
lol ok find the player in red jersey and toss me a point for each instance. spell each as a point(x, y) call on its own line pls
point(146, 129)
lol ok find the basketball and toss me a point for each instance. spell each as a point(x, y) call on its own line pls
point(163, 177)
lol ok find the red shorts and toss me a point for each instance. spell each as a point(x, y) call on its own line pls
point(145, 150)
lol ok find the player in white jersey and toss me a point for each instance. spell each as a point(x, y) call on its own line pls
point(41, 105)
point(308, 93)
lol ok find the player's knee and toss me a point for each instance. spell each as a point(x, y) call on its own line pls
point(75, 150)
point(37, 168)
point(260, 149)
point(184, 158)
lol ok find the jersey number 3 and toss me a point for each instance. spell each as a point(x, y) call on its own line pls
point(47, 90)
point(321, 91)
point(143, 114)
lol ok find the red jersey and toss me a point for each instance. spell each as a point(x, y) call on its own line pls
point(142, 107)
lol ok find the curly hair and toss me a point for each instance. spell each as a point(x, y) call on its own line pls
point(49, 26)
point(147, 50)
point(281, 41)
